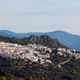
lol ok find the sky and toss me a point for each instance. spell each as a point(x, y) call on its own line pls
point(40, 15)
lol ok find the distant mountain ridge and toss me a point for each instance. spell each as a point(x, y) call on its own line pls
point(70, 40)
point(8, 33)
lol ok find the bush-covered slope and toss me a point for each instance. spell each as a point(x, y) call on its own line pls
point(20, 68)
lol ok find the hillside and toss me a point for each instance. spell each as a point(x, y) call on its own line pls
point(37, 62)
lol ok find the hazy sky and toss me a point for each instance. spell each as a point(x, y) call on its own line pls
point(40, 15)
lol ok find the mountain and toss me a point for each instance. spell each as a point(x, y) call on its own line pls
point(8, 33)
point(70, 40)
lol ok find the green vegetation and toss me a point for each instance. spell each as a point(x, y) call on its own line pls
point(18, 78)
point(21, 69)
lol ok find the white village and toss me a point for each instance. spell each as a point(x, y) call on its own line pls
point(32, 52)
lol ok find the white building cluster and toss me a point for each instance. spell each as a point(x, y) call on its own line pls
point(65, 52)
point(31, 52)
